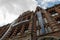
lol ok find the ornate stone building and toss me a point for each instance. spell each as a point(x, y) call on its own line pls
point(43, 24)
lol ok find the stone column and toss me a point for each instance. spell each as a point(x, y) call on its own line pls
point(30, 23)
point(34, 28)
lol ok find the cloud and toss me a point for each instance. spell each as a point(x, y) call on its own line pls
point(47, 3)
point(11, 9)
point(18, 5)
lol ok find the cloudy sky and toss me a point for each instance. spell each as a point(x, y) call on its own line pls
point(47, 3)
point(11, 9)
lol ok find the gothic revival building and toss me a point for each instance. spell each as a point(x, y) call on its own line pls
point(43, 24)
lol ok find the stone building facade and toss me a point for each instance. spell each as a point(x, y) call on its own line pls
point(43, 24)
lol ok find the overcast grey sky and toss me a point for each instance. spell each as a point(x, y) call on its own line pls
point(11, 9)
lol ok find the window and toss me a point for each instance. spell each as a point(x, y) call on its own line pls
point(49, 29)
point(58, 20)
point(53, 13)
